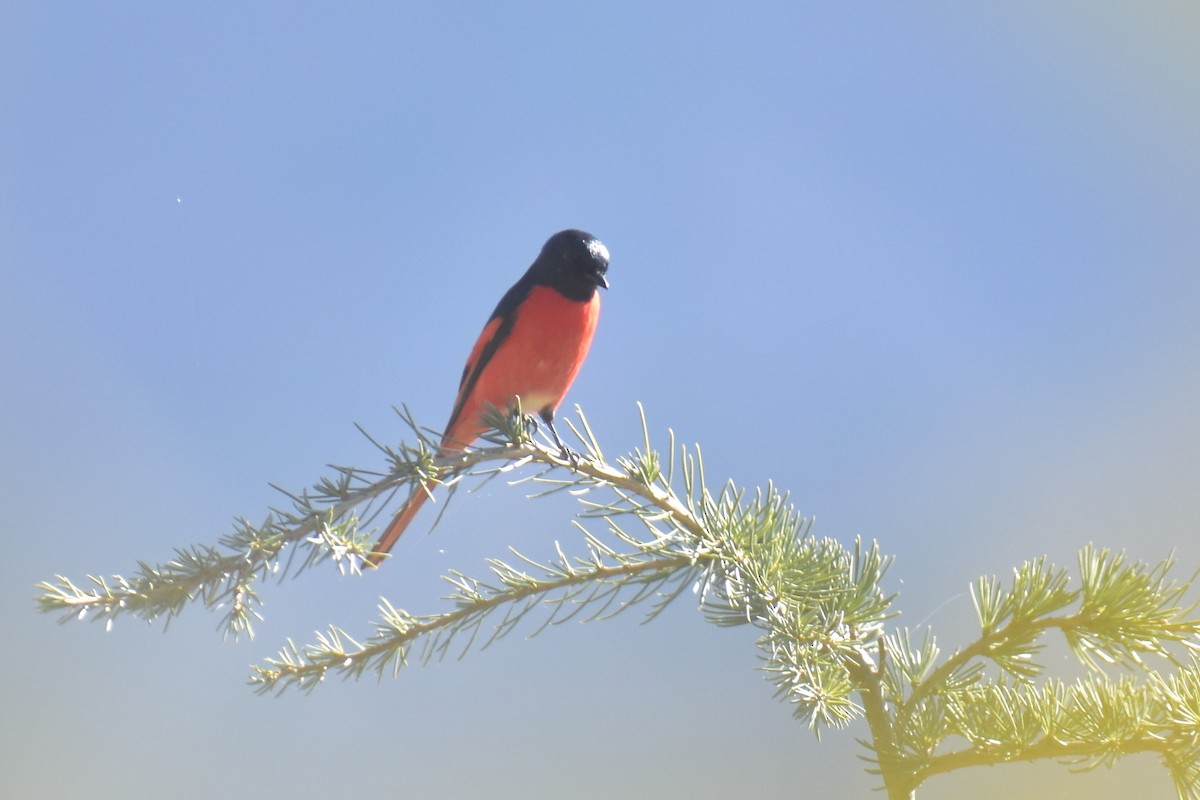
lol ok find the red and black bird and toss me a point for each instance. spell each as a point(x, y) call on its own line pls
point(531, 347)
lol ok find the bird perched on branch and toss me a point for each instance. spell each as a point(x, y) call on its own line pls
point(531, 347)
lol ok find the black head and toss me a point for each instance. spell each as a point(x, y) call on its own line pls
point(573, 262)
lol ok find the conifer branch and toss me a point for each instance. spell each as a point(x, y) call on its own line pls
point(1121, 613)
point(751, 560)
point(649, 529)
point(322, 521)
point(559, 586)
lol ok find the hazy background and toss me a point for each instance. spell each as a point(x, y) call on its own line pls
point(931, 268)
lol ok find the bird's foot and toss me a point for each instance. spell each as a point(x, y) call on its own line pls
point(531, 424)
point(570, 456)
point(564, 452)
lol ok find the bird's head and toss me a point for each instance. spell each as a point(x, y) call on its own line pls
point(574, 262)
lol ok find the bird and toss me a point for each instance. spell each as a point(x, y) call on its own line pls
point(532, 347)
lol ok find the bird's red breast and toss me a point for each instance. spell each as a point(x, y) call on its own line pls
point(537, 359)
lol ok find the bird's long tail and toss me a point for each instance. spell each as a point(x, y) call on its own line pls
point(458, 434)
point(399, 522)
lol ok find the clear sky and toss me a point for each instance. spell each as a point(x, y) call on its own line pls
point(932, 267)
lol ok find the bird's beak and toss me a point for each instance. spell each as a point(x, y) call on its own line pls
point(600, 281)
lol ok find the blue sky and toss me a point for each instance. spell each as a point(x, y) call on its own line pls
point(933, 268)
